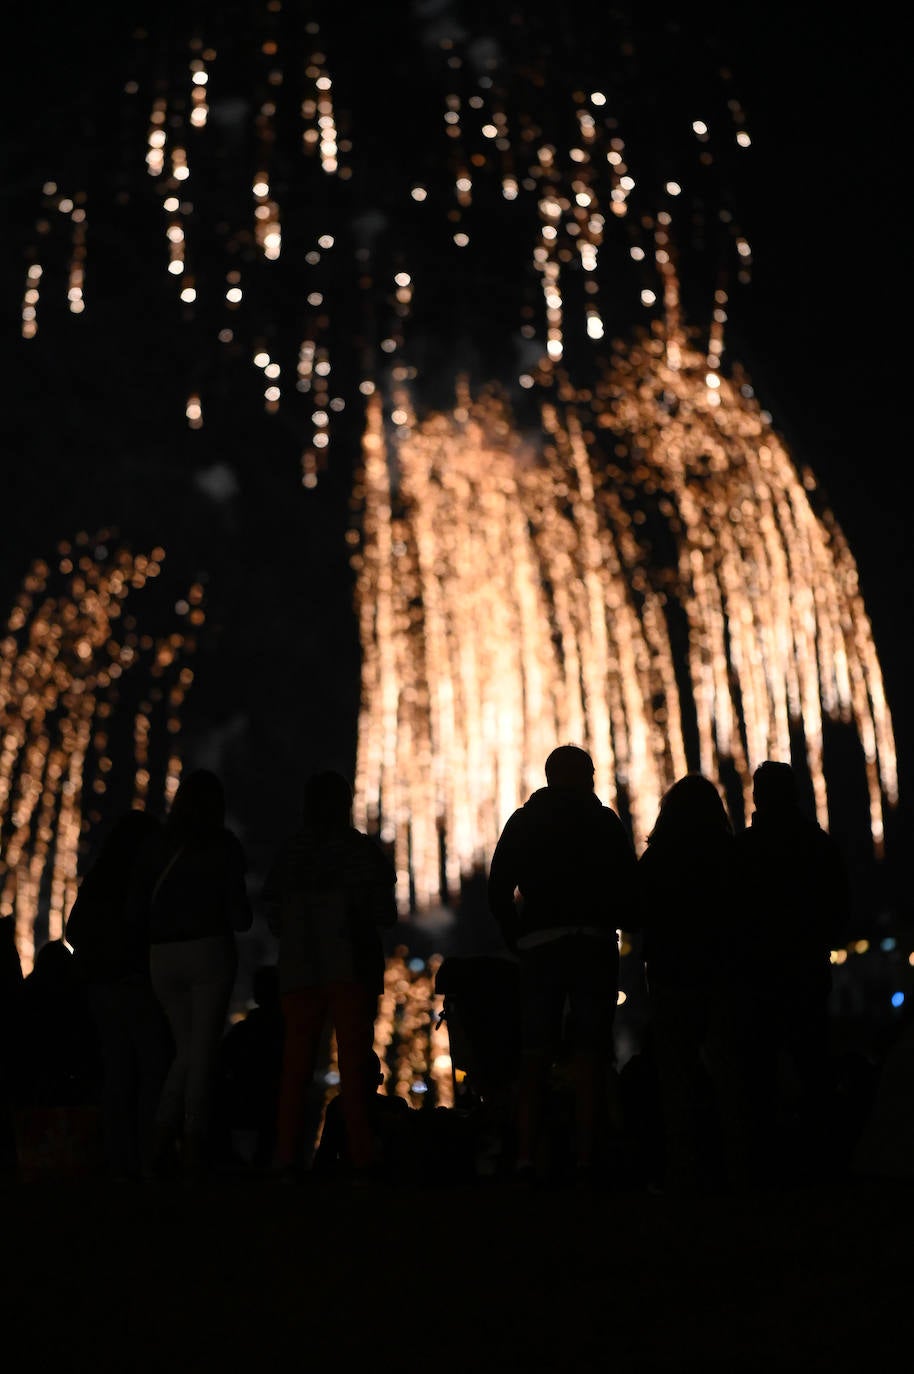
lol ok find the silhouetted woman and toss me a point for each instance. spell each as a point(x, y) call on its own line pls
point(111, 956)
point(195, 898)
point(693, 953)
point(796, 895)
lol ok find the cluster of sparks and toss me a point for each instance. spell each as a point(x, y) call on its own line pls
point(571, 194)
point(70, 654)
point(509, 603)
point(411, 1040)
point(518, 585)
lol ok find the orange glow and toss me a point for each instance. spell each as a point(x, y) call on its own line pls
point(509, 600)
point(67, 640)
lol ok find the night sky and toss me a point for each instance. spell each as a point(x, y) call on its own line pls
point(94, 434)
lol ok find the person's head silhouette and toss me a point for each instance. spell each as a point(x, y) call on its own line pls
point(198, 809)
point(691, 806)
point(774, 788)
point(570, 768)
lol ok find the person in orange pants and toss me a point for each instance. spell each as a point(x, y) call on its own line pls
point(330, 894)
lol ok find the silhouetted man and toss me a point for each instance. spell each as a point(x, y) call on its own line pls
point(561, 884)
point(793, 884)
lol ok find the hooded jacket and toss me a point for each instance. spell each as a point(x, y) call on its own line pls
point(563, 862)
point(795, 888)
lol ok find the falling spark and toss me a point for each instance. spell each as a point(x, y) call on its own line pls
point(636, 562)
point(70, 649)
point(509, 601)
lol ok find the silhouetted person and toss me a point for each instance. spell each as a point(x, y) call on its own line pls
point(562, 882)
point(111, 957)
point(694, 950)
point(250, 1060)
point(481, 1013)
point(794, 887)
point(390, 1117)
point(193, 895)
point(56, 1070)
point(56, 1060)
point(329, 894)
point(884, 1144)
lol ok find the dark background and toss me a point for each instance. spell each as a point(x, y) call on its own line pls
point(93, 427)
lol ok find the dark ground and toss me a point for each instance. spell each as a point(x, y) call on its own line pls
point(250, 1274)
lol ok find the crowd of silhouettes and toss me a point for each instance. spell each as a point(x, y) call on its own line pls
point(733, 1085)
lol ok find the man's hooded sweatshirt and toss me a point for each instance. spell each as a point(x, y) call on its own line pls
point(564, 862)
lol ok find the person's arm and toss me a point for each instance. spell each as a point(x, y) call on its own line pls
point(73, 930)
point(628, 879)
point(835, 888)
point(502, 882)
point(241, 912)
point(375, 883)
point(84, 932)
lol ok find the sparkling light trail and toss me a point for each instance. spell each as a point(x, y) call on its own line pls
point(71, 653)
point(603, 537)
point(513, 597)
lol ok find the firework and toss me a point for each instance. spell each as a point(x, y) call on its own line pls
point(83, 689)
point(573, 518)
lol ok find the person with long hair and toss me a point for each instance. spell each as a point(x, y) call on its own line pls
point(795, 886)
point(111, 959)
point(195, 902)
point(693, 950)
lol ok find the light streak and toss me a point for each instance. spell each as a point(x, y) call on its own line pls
point(71, 651)
point(636, 561)
point(510, 600)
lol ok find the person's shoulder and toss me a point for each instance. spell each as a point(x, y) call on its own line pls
point(369, 847)
point(718, 844)
point(827, 844)
point(232, 845)
point(514, 832)
point(360, 839)
point(610, 821)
